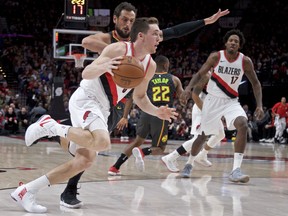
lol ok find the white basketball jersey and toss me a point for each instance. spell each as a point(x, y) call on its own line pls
point(226, 77)
point(104, 89)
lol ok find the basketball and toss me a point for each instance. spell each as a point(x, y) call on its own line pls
point(130, 73)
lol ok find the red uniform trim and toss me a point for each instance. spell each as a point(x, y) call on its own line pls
point(224, 86)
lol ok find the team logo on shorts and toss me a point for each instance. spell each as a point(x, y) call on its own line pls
point(164, 139)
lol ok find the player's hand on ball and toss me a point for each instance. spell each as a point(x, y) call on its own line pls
point(129, 73)
point(113, 64)
point(167, 113)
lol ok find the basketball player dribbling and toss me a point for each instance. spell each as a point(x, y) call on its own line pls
point(89, 107)
point(123, 17)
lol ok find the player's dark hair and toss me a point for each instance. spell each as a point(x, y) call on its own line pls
point(235, 32)
point(141, 25)
point(124, 6)
point(161, 62)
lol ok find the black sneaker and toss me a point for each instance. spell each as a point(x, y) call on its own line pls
point(69, 199)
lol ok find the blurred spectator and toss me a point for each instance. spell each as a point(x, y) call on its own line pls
point(2, 79)
point(247, 111)
point(261, 123)
point(280, 113)
point(23, 118)
point(182, 131)
point(2, 99)
point(15, 108)
point(269, 132)
point(252, 129)
point(11, 122)
point(4, 87)
point(172, 130)
point(132, 122)
point(2, 123)
point(37, 112)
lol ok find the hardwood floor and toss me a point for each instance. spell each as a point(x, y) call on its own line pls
point(155, 191)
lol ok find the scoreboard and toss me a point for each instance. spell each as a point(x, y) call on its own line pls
point(75, 10)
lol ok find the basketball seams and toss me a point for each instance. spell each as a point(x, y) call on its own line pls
point(119, 74)
point(130, 73)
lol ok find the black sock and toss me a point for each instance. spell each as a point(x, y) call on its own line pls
point(72, 183)
point(120, 161)
point(181, 150)
point(146, 151)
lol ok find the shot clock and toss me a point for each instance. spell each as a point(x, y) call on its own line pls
point(75, 10)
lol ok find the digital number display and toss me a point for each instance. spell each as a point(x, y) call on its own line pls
point(75, 10)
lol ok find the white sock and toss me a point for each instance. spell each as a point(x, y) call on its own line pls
point(62, 130)
point(203, 152)
point(190, 159)
point(173, 155)
point(38, 184)
point(238, 157)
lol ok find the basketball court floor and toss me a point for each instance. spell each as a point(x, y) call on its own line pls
point(155, 191)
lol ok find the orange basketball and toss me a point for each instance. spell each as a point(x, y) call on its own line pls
point(130, 73)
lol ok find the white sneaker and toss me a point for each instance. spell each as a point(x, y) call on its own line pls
point(45, 126)
point(170, 164)
point(237, 176)
point(282, 140)
point(139, 162)
point(202, 160)
point(124, 139)
point(26, 199)
point(262, 140)
point(186, 172)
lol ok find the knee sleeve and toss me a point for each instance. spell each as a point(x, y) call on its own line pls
point(215, 139)
point(188, 144)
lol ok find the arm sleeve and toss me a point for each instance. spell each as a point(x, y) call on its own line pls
point(182, 29)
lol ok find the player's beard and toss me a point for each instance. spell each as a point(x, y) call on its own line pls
point(121, 33)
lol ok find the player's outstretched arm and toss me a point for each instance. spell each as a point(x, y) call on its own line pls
point(96, 42)
point(189, 27)
point(212, 19)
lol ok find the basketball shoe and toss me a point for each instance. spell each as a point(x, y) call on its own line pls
point(237, 176)
point(26, 199)
point(139, 162)
point(68, 199)
point(203, 160)
point(170, 164)
point(114, 171)
point(44, 127)
point(186, 172)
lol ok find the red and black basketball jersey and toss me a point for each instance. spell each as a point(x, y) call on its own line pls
point(226, 76)
point(114, 92)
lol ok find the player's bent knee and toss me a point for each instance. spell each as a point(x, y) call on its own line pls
point(101, 143)
point(105, 145)
point(241, 125)
point(84, 163)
